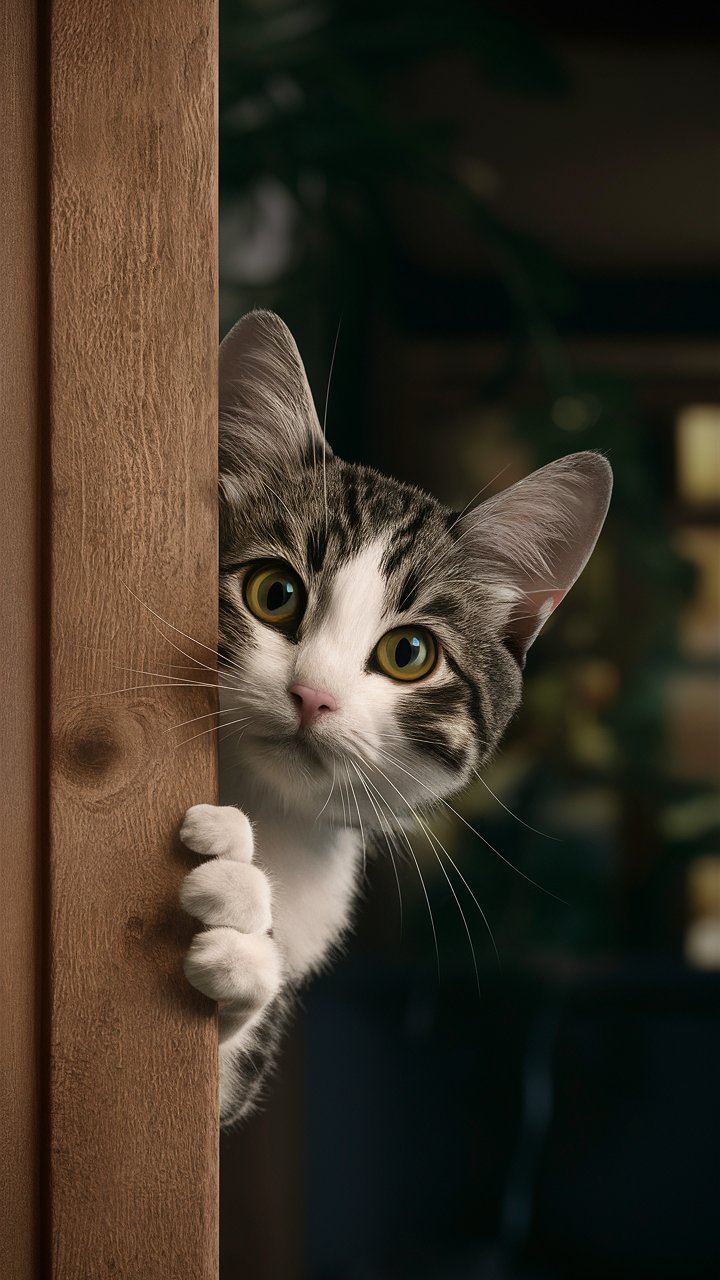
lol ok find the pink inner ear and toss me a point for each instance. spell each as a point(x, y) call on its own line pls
point(556, 597)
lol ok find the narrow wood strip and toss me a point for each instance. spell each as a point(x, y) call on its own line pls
point(132, 1178)
point(19, 867)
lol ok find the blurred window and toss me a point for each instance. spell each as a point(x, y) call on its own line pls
point(698, 451)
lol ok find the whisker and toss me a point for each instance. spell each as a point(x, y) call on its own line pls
point(133, 688)
point(430, 838)
point(545, 834)
point(464, 920)
point(396, 825)
point(174, 680)
point(479, 494)
point(324, 423)
point(446, 551)
point(362, 832)
point(217, 711)
point(342, 797)
point(165, 622)
point(274, 493)
point(332, 788)
point(470, 827)
point(213, 729)
point(399, 744)
point(227, 668)
point(455, 866)
point(186, 666)
point(177, 648)
point(386, 836)
point(422, 880)
point(237, 734)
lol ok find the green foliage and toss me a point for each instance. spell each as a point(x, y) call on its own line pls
point(304, 99)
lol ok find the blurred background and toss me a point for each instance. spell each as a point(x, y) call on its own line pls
point(506, 220)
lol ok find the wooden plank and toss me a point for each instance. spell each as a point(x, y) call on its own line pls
point(132, 1178)
point(18, 624)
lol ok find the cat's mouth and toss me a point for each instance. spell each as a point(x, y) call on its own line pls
point(303, 747)
point(307, 745)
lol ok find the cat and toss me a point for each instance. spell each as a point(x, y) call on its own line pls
point(371, 652)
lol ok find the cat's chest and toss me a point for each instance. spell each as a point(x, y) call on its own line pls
point(314, 872)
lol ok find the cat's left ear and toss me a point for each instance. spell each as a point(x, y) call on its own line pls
point(530, 543)
point(268, 422)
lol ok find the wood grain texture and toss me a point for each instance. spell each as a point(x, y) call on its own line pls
point(132, 1178)
point(18, 629)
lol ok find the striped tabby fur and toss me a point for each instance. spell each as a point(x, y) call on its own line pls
point(373, 554)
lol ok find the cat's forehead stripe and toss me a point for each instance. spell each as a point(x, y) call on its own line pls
point(344, 620)
point(404, 541)
point(409, 588)
point(316, 548)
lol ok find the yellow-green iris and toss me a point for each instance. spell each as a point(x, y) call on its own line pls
point(275, 595)
point(407, 653)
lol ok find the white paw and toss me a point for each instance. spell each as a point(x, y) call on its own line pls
point(234, 894)
point(218, 831)
point(233, 960)
point(241, 969)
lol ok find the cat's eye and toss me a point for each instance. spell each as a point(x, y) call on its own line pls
point(275, 595)
point(407, 653)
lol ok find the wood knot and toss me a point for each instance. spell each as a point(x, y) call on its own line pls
point(100, 749)
point(94, 750)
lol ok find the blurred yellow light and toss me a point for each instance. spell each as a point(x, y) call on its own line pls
point(702, 943)
point(702, 936)
point(692, 716)
point(698, 453)
point(703, 878)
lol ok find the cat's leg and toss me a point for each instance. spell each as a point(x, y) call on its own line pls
point(234, 960)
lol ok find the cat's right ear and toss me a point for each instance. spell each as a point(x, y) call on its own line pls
point(268, 422)
point(530, 542)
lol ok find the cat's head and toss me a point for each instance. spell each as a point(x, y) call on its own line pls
point(371, 638)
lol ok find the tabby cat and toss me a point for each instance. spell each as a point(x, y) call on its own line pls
point(372, 644)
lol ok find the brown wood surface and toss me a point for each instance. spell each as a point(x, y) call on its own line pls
point(132, 1175)
point(18, 617)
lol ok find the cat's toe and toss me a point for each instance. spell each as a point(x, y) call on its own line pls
point(218, 831)
point(241, 969)
point(228, 893)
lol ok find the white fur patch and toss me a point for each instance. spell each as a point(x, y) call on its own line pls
point(218, 831)
point(224, 892)
point(315, 873)
point(244, 969)
point(335, 654)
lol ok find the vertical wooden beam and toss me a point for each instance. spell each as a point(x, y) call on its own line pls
point(132, 1173)
point(19, 867)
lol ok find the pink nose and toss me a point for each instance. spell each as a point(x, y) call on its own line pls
point(311, 703)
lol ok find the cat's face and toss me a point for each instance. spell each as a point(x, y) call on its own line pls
point(374, 615)
point(372, 641)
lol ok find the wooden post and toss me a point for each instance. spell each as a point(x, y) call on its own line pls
point(126, 350)
point(19, 694)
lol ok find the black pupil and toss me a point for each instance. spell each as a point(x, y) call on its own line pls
point(279, 594)
point(406, 650)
